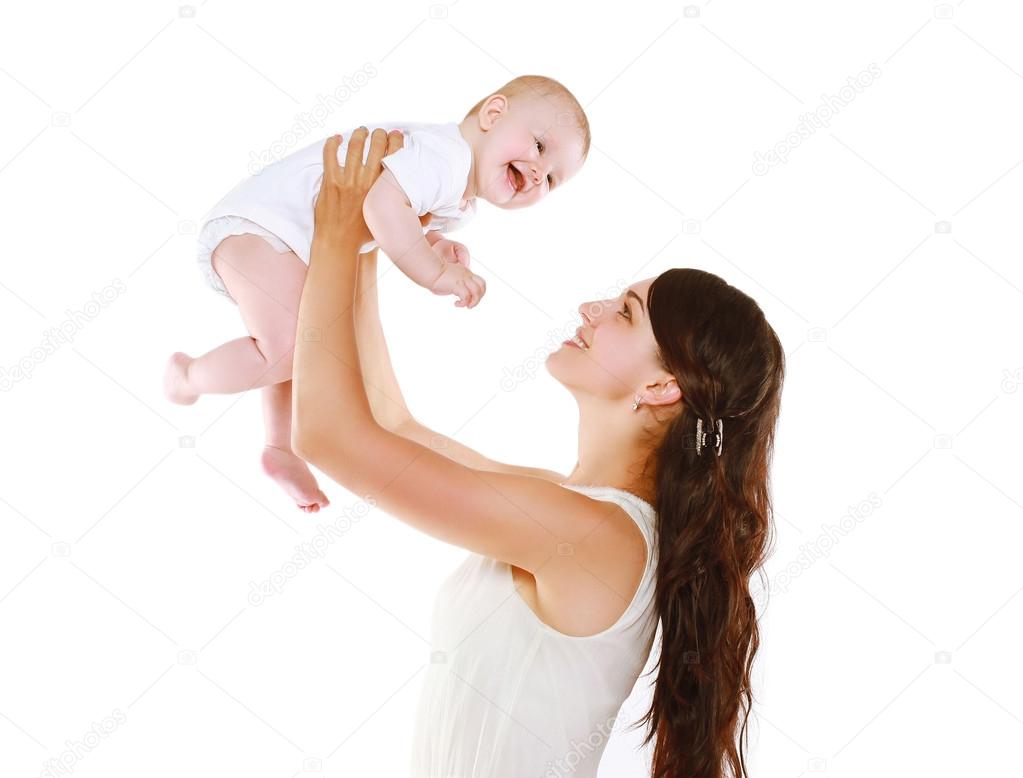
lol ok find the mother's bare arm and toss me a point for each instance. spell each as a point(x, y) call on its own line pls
point(385, 396)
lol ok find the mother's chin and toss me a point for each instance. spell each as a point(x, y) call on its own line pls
point(565, 365)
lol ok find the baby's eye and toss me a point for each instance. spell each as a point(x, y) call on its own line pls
point(539, 145)
point(550, 181)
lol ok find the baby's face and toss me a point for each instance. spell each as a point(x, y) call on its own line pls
point(526, 153)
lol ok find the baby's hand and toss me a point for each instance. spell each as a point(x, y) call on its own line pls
point(452, 251)
point(458, 279)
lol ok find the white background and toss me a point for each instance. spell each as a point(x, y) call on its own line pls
point(885, 252)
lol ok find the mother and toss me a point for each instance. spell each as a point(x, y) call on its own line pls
point(542, 632)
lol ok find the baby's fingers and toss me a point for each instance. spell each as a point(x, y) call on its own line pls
point(464, 293)
point(477, 288)
point(480, 285)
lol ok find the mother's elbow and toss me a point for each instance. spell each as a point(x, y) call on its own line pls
point(323, 446)
point(306, 442)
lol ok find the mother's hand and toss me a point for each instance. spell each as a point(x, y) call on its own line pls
point(338, 209)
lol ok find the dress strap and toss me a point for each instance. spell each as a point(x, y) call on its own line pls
point(642, 512)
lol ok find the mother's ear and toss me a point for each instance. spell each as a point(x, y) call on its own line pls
point(666, 392)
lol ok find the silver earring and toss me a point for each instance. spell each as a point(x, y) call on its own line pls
point(636, 403)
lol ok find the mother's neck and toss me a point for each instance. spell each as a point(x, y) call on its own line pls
point(614, 448)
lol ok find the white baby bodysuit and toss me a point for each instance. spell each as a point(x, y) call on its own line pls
point(432, 168)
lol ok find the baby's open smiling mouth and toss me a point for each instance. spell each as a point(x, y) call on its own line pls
point(515, 177)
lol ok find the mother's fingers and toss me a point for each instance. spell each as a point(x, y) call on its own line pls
point(330, 153)
point(355, 146)
point(395, 141)
point(377, 150)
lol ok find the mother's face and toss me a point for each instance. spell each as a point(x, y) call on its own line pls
point(621, 354)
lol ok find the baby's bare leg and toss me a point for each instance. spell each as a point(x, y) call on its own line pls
point(278, 461)
point(267, 286)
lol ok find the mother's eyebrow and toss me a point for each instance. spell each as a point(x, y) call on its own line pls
point(630, 293)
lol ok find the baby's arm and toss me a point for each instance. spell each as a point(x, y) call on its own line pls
point(399, 233)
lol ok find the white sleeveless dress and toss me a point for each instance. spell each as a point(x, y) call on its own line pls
point(507, 696)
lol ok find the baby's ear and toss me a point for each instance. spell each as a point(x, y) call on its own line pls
point(493, 108)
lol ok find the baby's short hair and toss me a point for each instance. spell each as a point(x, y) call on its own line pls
point(544, 87)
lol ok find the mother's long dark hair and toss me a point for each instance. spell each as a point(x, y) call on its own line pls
point(714, 519)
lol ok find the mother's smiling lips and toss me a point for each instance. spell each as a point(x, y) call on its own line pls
point(577, 341)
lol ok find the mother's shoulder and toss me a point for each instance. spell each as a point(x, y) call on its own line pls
point(594, 573)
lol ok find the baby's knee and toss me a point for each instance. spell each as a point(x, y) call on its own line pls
point(277, 350)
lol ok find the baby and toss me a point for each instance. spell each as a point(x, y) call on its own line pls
point(511, 149)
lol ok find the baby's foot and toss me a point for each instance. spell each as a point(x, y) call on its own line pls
point(294, 477)
point(175, 379)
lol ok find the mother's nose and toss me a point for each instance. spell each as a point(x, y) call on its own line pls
point(593, 309)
